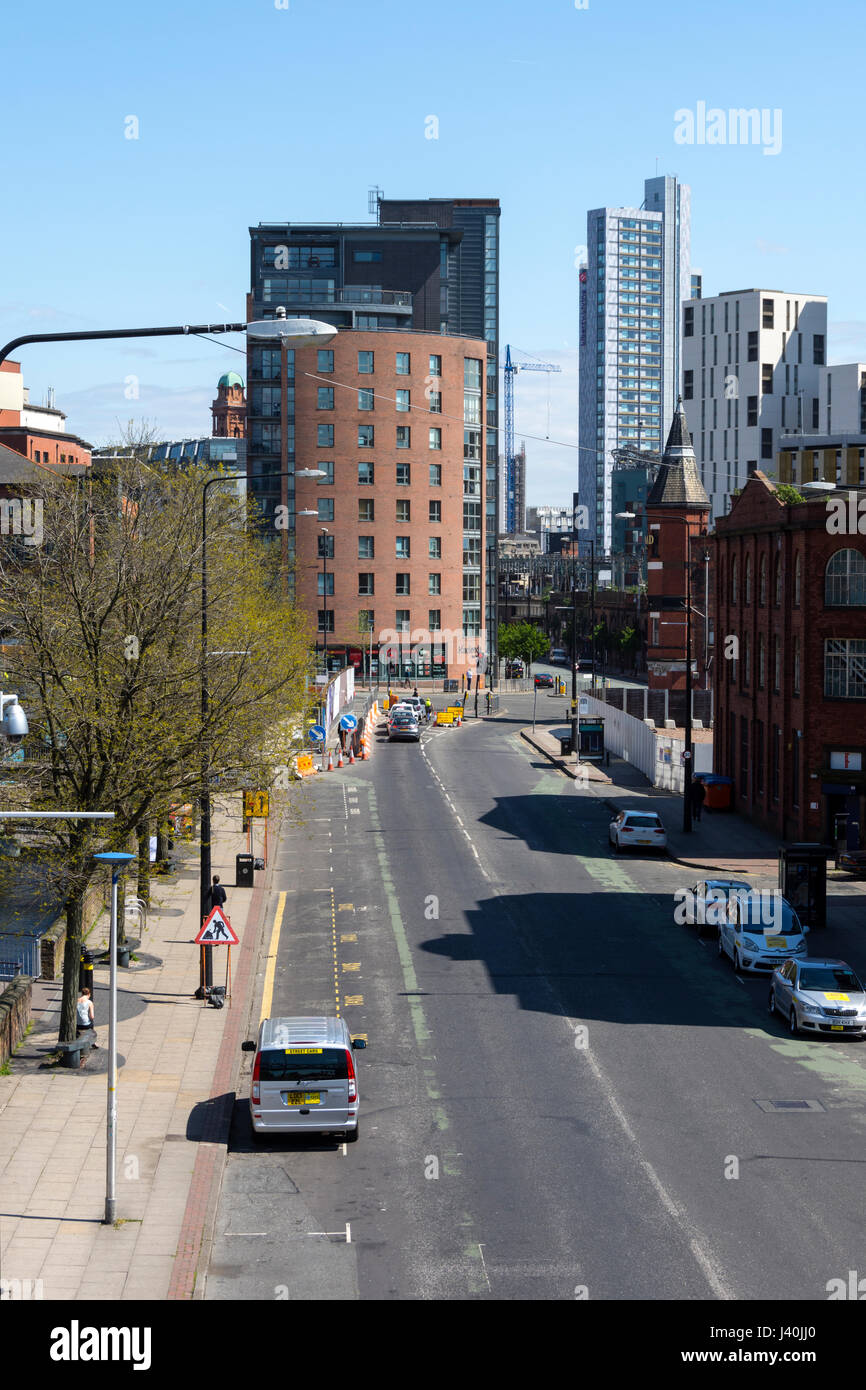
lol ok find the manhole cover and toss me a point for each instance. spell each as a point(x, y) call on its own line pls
point(787, 1105)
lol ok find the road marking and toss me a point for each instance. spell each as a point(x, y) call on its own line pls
point(352, 965)
point(349, 936)
point(270, 971)
point(334, 950)
point(345, 907)
point(351, 999)
point(484, 1265)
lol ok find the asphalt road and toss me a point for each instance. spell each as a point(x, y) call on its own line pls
point(564, 1094)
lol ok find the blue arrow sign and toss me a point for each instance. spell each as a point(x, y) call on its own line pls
point(317, 734)
point(348, 722)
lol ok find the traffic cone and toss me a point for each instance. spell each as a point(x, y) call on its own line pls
point(331, 760)
point(351, 757)
point(340, 757)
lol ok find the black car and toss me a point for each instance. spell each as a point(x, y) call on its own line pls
point(544, 681)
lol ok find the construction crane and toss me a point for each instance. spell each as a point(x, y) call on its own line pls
point(510, 370)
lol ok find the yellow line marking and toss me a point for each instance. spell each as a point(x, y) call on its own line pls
point(268, 995)
point(334, 949)
point(353, 999)
point(346, 907)
point(352, 965)
point(349, 936)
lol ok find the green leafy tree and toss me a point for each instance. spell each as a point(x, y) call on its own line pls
point(523, 640)
point(788, 494)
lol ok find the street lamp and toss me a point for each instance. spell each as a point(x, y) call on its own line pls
point(117, 860)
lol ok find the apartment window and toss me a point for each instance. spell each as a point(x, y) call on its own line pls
point(365, 583)
point(796, 666)
point(688, 385)
point(795, 768)
point(767, 378)
point(402, 364)
point(325, 585)
point(325, 360)
point(767, 313)
point(325, 436)
point(762, 581)
point(775, 762)
point(434, 548)
point(365, 400)
point(751, 410)
point(402, 547)
point(365, 436)
point(744, 756)
point(797, 582)
point(818, 349)
point(434, 512)
point(325, 547)
point(365, 363)
point(472, 373)
point(472, 588)
point(366, 474)
point(767, 443)
point(752, 349)
point(759, 758)
point(845, 580)
point(472, 445)
point(688, 321)
point(762, 661)
point(747, 659)
point(435, 405)
point(471, 516)
point(435, 436)
point(326, 508)
point(845, 668)
point(402, 400)
point(325, 398)
point(404, 434)
point(435, 364)
point(366, 257)
point(403, 511)
point(326, 620)
point(367, 321)
point(366, 548)
point(434, 583)
point(434, 619)
point(404, 474)
point(435, 475)
point(816, 412)
point(366, 509)
point(777, 582)
point(747, 580)
point(402, 585)
point(327, 467)
point(402, 618)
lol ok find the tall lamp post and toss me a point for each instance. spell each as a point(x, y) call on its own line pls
point(117, 860)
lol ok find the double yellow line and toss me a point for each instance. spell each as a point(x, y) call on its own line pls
point(271, 969)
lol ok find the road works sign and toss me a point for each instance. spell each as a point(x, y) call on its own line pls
point(255, 805)
point(217, 931)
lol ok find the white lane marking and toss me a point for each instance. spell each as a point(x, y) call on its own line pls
point(348, 1233)
point(439, 783)
point(484, 1265)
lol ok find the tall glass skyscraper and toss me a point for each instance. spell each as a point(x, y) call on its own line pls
point(636, 278)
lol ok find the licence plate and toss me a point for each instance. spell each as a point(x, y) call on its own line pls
point(302, 1097)
point(837, 1027)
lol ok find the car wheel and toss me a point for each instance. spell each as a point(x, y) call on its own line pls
point(738, 965)
point(792, 1022)
point(721, 945)
point(352, 1135)
point(771, 1003)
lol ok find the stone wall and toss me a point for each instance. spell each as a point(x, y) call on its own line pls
point(14, 1014)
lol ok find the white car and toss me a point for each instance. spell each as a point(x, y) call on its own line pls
point(762, 931)
point(632, 828)
point(707, 901)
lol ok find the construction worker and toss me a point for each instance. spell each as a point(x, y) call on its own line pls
point(428, 707)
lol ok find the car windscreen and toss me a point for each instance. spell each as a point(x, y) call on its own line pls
point(826, 978)
point(644, 822)
point(760, 910)
point(303, 1064)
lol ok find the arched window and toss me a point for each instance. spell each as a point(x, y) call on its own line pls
point(747, 659)
point(777, 582)
point(777, 664)
point(762, 581)
point(797, 582)
point(796, 665)
point(845, 579)
point(747, 580)
point(762, 661)
point(734, 580)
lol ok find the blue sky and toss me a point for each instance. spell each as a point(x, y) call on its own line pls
point(249, 113)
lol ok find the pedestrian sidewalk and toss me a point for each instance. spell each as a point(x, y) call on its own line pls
point(177, 1059)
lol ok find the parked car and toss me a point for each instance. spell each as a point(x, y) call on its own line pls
point(584, 663)
point(818, 996)
point(853, 861)
point(709, 901)
point(559, 656)
point(544, 681)
point(514, 669)
point(755, 944)
point(404, 725)
point(304, 1077)
point(632, 828)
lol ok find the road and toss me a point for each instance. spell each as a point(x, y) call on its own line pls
point(564, 1094)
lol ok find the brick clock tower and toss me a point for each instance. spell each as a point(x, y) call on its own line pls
point(677, 511)
point(230, 408)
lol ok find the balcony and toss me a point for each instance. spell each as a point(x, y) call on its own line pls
point(350, 296)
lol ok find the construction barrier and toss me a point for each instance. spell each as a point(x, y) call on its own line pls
point(457, 712)
point(304, 765)
point(444, 717)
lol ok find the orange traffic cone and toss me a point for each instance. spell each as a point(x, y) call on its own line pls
point(340, 757)
point(331, 760)
point(351, 756)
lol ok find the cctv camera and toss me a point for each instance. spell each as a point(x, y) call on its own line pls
point(14, 725)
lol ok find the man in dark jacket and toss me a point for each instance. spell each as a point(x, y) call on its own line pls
point(698, 795)
point(217, 893)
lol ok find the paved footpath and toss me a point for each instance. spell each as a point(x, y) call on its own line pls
point(177, 1062)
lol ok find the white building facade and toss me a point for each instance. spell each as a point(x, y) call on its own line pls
point(636, 279)
point(751, 371)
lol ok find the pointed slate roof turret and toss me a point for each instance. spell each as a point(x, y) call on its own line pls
point(678, 483)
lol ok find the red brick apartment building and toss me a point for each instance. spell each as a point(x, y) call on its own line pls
point(789, 605)
point(395, 419)
point(36, 431)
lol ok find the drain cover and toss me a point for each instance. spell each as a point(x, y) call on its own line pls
point(771, 1105)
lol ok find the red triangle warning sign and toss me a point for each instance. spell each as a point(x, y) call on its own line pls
point(217, 931)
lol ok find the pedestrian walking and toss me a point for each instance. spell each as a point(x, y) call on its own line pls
point(84, 1015)
point(698, 796)
point(217, 893)
point(488, 701)
point(415, 692)
point(465, 698)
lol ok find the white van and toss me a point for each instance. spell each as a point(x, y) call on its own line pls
point(304, 1077)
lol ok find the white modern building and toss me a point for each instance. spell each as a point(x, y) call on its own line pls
point(842, 399)
point(751, 371)
point(636, 279)
point(545, 521)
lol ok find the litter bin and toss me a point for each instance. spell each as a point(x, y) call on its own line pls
point(244, 870)
point(85, 973)
point(565, 746)
point(803, 881)
point(718, 792)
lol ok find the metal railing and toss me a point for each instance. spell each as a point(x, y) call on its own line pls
point(20, 955)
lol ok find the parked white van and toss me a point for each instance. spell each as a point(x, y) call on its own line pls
point(304, 1077)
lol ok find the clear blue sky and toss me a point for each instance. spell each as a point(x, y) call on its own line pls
point(249, 113)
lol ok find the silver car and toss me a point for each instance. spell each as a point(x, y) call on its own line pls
point(707, 903)
point(819, 996)
point(760, 931)
point(403, 724)
point(304, 1077)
